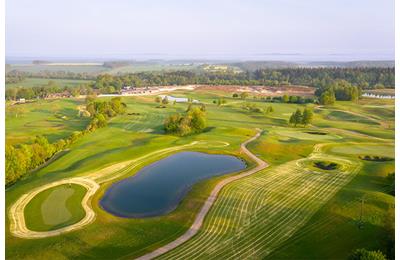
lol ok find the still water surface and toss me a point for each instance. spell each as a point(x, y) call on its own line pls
point(157, 189)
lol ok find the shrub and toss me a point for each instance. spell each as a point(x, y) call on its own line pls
point(363, 254)
point(194, 121)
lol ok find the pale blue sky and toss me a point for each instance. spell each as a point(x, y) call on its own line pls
point(208, 28)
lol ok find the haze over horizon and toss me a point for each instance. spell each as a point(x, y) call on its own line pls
point(253, 30)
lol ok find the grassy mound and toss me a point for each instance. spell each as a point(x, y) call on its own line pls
point(56, 207)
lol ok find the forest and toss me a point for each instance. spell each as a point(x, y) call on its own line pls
point(362, 78)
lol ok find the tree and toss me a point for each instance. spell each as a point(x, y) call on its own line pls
point(244, 95)
point(194, 121)
point(328, 97)
point(285, 99)
point(197, 120)
point(158, 99)
point(117, 105)
point(363, 254)
point(292, 120)
point(235, 95)
point(221, 101)
point(307, 116)
point(171, 123)
point(296, 118)
point(293, 99)
point(165, 100)
point(101, 120)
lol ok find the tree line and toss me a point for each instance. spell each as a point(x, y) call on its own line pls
point(22, 159)
point(321, 78)
point(338, 90)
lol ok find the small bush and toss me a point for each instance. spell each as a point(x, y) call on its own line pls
point(326, 165)
point(363, 254)
point(376, 158)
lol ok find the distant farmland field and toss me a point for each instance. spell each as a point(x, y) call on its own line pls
point(38, 82)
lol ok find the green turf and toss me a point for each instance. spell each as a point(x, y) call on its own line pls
point(54, 119)
point(55, 208)
point(132, 136)
point(364, 149)
point(344, 116)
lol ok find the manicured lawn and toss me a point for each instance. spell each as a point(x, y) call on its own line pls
point(55, 208)
point(53, 119)
point(259, 212)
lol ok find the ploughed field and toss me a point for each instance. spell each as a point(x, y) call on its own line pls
point(291, 209)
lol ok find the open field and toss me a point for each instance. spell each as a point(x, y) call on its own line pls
point(40, 82)
point(54, 119)
point(35, 68)
point(256, 216)
point(98, 68)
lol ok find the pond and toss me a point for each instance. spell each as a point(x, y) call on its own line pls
point(157, 189)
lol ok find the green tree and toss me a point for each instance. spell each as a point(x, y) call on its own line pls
point(307, 116)
point(292, 120)
point(244, 95)
point(363, 254)
point(165, 100)
point(285, 99)
point(296, 118)
point(197, 119)
point(328, 97)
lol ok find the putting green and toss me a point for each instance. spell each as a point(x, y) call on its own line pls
point(364, 149)
point(303, 135)
point(55, 208)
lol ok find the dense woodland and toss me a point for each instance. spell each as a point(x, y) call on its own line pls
point(321, 78)
point(24, 158)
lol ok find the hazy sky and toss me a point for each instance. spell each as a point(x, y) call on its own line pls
point(206, 28)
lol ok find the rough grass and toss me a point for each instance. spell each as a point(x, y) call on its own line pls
point(55, 208)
